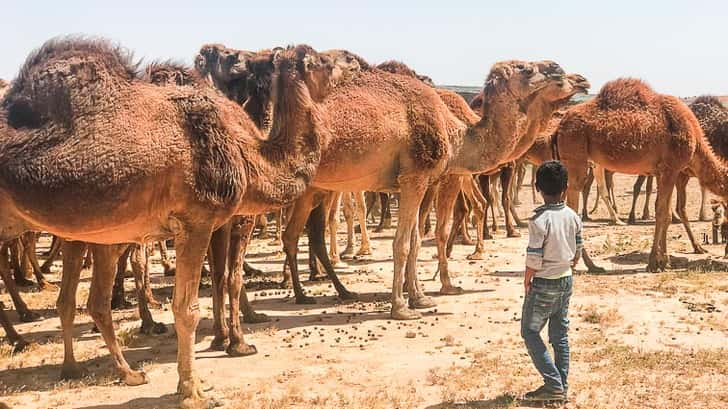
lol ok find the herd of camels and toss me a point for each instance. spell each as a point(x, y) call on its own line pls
point(132, 156)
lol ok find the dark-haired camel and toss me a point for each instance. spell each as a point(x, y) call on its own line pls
point(631, 129)
point(190, 160)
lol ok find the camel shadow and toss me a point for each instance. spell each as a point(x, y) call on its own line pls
point(499, 402)
point(642, 258)
point(169, 401)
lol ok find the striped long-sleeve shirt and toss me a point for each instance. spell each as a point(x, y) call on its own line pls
point(554, 238)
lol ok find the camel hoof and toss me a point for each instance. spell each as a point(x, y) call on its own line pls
point(316, 277)
point(304, 299)
point(347, 253)
point(70, 372)
point(136, 378)
point(170, 272)
point(422, 302)
point(513, 233)
point(286, 283)
point(364, 252)
point(28, 316)
point(218, 344)
point(478, 255)
point(487, 236)
point(20, 346)
point(618, 223)
point(45, 269)
point(347, 295)
point(451, 290)
point(404, 313)
point(192, 397)
point(156, 328)
point(121, 305)
point(47, 286)
point(700, 250)
point(24, 282)
point(335, 260)
point(467, 242)
point(276, 243)
point(631, 220)
point(241, 349)
point(255, 318)
point(646, 216)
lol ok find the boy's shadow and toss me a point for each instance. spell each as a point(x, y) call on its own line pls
point(499, 402)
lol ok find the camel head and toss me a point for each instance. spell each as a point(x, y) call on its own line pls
point(302, 63)
point(170, 73)
point(260, 76)
point(346, 63)
point(3, 87)
point(225, 68)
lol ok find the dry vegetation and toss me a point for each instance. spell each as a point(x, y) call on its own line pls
point(638, 340)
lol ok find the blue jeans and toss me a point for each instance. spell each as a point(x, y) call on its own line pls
point(548, 301)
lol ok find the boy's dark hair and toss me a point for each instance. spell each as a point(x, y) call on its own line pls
point(552, 178)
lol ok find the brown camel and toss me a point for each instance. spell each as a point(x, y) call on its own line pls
point(629, 128)
point(393, 132)
point(68, 134)
point(522, 125)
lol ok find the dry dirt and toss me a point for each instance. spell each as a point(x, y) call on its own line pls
point(638, 339)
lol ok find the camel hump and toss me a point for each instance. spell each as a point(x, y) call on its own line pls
point(625, 93)
point(62, 67)
point(171, 73)
point(710, 100)
point(218, 163)
point(398, 67)
point(679, 118)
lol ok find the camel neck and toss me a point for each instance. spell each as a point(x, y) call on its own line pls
point(489, 143)
point(710, 169)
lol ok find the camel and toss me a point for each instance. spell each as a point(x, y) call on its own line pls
point(526, 122)
point(68, 133)
point(631, 129)
point(393, 132)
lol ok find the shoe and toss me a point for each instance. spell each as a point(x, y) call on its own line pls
point(545, 393)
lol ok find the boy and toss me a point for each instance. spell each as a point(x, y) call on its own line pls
point(554, 245)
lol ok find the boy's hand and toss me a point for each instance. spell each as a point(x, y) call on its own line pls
point(528, 279)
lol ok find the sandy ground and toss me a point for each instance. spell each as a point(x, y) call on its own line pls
point(638, 339)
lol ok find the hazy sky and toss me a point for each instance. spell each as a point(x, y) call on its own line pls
point(677, 46)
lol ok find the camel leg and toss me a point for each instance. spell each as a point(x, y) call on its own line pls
point(371, 201)
point(13, 337)
point(348, 210)
point(278, 216)
point(99, 307)
point(118, 299)
point(139, 260)
point(681, 186)
point(520, 176)
point(385, 221)
point(88, 260)
point(52, 255)
point(16, 261)
point(425, 208)
point(447, 194)
point(600, 176)
point(191, 245)
point(236, 287)
point(635, 194)
point(659, 259)
point(405, 245)
point(361, 210)
point(315, 228)
point(609, 183)
point(30, 240)
point(704, 207)
point(73, 252)
point(585, 195)
point(460, 210)
point(217, 257)
point(296, 223)
point(648, 195)
point(240, 236)
point(506, 178)
point(498, 204)
point(534, 197)
point(478, 204)
point(484, 183)
point(169, 270)
point(578, 178)
point(24, 313)
point(331, 205)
